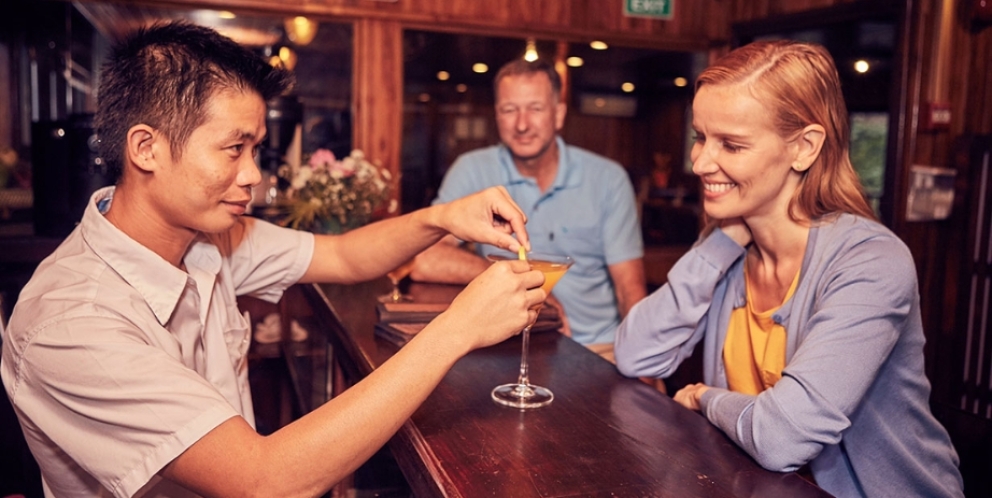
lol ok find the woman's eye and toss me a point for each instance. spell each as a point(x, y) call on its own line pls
point(729, 147)
point(698, 138)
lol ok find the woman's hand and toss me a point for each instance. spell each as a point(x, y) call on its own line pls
point(689, 395)
point(736, 229)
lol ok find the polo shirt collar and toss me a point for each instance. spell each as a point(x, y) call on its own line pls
point(160, 283)
point(569, 173)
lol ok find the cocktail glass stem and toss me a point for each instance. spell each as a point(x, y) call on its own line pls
point(523, 394)
point(396, 296)
point(524, 379)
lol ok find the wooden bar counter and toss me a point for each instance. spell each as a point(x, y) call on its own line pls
point(604, 434)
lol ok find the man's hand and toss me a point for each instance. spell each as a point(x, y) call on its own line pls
point(496, 305)
point(487, 217)
point(552, 301)
point(689, 395)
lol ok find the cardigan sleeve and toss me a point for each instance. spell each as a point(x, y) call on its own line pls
point(662, 329)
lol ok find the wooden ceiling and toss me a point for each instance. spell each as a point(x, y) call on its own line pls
point(115, 20)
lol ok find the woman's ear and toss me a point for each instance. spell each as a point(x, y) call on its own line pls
point(140, 144)
point(809, 143)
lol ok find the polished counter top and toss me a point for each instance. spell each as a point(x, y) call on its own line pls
point(604, 434)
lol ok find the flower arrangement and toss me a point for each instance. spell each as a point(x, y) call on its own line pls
point(331, 195)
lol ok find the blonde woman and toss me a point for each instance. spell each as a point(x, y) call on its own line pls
point(807, 307)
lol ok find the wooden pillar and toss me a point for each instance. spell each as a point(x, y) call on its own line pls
point(561, 66)
point(377, 93)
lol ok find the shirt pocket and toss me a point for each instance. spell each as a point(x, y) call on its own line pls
point(583, 243)
point(237, 336)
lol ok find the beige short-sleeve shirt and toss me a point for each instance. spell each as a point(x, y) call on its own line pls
point(116, 361)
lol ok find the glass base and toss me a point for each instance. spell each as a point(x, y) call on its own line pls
point(395, 297)
point(522, 396)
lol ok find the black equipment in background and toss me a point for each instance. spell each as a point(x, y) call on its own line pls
point(66, 170)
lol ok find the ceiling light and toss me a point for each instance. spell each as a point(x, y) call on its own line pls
point(226, 14)
point(479, 67)
point(461, 88)
point(627, 87)
point(530, 55)
point(574, 61)
point(288, 57)
point(301, 30)
point(424, 97)
point(443, 75)
point(598, 45)
point(862, 66)
point(681, 82)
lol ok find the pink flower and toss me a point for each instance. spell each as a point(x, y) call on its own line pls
point(322, 159)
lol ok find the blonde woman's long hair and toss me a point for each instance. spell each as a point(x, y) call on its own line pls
point(799, 83)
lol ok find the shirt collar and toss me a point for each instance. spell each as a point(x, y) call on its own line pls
point(569, 174)
point(160, 283)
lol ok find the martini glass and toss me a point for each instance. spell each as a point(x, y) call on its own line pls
point(523, 394)
point(395, 276)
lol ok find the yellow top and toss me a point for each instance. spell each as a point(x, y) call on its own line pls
point(754, 352)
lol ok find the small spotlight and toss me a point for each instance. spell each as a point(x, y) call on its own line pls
point(574, 61)
point(287, 57)
point(599, 102)
point(598, 45)
point(461, 88)
point(480, 67)
point(680, 82)
point(443, 75)
point(862, 66)
point(226, 14)
point(530, 55)
point(627, 87)
point(424, 97)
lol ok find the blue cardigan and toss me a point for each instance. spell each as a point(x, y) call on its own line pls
point(853, 398)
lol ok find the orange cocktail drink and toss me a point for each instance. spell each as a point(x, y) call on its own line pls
point(523, 394)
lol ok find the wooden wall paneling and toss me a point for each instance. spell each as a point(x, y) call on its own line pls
point(694, 26)
point(377, 93)
point(6, 92)
point(976, 113)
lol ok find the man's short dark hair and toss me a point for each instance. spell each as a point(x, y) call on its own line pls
point(163, 76)
point(518, 67)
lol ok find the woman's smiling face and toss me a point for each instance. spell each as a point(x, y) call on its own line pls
point(745, 167)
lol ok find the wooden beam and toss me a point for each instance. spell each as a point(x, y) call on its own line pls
point(377, 93)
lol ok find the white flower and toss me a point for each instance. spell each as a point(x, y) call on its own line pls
point(301, 178)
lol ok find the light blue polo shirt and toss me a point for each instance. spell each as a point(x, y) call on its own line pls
point(588, 213)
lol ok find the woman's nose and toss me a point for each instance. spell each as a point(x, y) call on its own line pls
point(702, 163)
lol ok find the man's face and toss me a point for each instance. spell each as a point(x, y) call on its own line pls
point(528, 115)
point(210, 185)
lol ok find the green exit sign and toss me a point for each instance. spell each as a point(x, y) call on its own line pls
point(659, 9)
